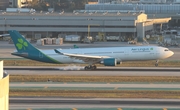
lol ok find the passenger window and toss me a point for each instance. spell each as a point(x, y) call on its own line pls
point(166, 50)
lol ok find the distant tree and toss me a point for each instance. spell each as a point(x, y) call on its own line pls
point(80, 4)
point(63, 5)
point(34, 4)
point(67, 5)
point(56, 4)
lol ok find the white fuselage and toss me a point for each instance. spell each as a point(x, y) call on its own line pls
point(136, 53)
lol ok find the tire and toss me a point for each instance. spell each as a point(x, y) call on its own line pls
point(86, 68)
point(94, 67)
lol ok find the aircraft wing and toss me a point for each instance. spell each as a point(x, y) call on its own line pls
point(4, 35)
point(85, 58)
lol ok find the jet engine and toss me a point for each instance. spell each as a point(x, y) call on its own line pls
point(110, 62)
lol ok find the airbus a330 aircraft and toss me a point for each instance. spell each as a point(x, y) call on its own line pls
point(109, 56)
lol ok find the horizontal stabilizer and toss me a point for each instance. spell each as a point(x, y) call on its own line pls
point(4, 35)
point(58, 52)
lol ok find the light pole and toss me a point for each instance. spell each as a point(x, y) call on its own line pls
point(88, 30)
point(89, 25)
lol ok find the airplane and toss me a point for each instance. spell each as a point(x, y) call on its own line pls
point(108, 56)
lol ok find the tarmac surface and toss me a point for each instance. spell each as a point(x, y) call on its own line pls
point(93, 85)
point(104, 71)
point(33, 102)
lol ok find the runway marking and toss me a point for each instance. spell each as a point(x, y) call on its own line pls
point(74, 109)
point(119, 108)
point(29, 109)
point(165, 109)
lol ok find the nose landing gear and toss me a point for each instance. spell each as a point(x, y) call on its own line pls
point(90, 67)
point(156, 64)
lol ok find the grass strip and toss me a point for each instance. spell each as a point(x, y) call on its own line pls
point(15, 62)
point(99, 93)
point(105, 79)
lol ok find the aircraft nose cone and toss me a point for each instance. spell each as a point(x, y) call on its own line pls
point(172, 53)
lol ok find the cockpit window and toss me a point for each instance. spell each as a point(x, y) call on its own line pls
point(166, 50)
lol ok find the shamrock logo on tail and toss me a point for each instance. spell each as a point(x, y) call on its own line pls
point(21, 44)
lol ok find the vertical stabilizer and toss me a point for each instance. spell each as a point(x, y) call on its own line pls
point(26, 50)
point(21, 44)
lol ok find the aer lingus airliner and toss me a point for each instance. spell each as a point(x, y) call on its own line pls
point(109, 56)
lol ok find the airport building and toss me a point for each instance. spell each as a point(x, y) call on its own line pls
point(139, 1)
point(154, 9)
point(107, 18)
point(4, 89)
point(19, 3)
point(94, 24)
point(147, 8)
point(4, 4)
point(13, 4)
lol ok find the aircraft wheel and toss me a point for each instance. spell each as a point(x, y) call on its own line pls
point(86, 68)
point(94, 67)
point(156, 64)
point(90, 67)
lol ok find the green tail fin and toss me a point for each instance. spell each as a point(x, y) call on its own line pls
point(21, 44)
point(26, 50)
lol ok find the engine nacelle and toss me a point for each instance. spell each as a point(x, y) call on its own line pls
point(110, 62)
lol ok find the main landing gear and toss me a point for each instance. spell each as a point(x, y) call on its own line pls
point(90, 67)
point(156, 64)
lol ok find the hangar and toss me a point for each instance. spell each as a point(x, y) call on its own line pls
point(84, 24)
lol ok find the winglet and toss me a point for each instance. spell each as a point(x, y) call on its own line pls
point(58, 52)
point(75, 46)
